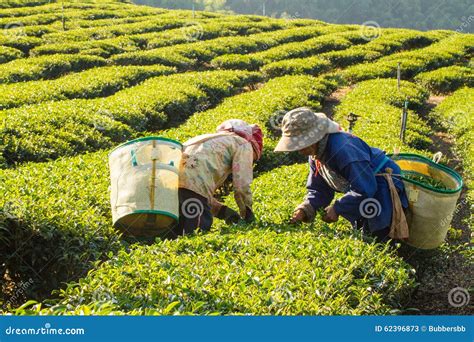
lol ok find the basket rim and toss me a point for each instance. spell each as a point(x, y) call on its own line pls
point(146, 139)
point(152, 211)
point(448, 170)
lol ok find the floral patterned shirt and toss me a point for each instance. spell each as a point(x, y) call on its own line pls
point(205, 166)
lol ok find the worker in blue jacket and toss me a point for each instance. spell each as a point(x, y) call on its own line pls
point(374, 196)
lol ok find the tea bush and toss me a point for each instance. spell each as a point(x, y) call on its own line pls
point(332, 38)
point(189, 55)
point(447, 79)
point(94, 20)
point(448, 51)
point(256, 272)
point(128, 43)
point(98, 33)
point(267, 268)
point(36, 19)
point(97, 82)
point(379, 104)
point(22, 3)
point(456, 113)
point(387, 43)
point(89, 210)
point(297, 66)
point(53, 129)
point(8, 54)
point(44, 67)
point(18, 41)
point(58, 224)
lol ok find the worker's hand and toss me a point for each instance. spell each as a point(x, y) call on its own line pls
point(229, 215)
point(330, 216)
point(298, 216)
point(249, 216)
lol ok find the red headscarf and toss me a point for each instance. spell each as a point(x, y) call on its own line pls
point(252, 133)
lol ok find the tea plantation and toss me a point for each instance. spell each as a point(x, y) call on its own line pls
point(76, 83)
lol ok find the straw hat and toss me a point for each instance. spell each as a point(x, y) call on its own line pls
point(301, 127)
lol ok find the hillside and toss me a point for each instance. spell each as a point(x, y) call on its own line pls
point(77, 81)
point(420, 14)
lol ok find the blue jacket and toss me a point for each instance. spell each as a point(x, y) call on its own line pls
point(354, 160)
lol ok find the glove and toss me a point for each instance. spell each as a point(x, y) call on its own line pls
point(227, 214)
point(249, 216)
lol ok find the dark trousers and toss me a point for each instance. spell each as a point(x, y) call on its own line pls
point(380, 235)
point(194, 212)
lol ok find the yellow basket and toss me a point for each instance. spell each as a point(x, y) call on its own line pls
point(431, 209)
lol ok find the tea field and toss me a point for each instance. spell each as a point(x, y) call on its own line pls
point(77, 80)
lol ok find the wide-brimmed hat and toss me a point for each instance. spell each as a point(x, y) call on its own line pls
point(301, 127)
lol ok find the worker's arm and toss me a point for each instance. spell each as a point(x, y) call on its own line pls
point(363, 185)
point(223, 212)
point(319, 195)
point(242, 176)
point(215, 206)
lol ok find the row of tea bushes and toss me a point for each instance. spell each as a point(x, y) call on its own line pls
point(46, 67)
point(53, 129)
point(98, 33)
point(8, 54)
point(253, 272)
point(447, 79)
point(379, 104)
point(191, 55)
point(456, 113)
point(22, 3)
point(334, 38)
point(268, 267)
point(96, 82)
point(453, 49)
point(386, 44)
point(128, 43)
point(71, 16)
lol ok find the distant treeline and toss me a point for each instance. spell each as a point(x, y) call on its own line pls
point(418, 14)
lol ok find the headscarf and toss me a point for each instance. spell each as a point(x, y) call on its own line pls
point(252, 133)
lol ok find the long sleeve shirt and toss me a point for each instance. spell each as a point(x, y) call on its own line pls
point(205, 166)
point(367, 196)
